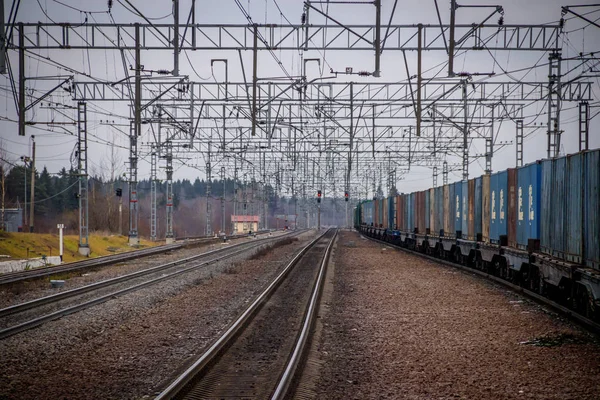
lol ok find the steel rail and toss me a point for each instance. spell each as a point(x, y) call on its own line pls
point(13, 277)
point(75, 292)
point(210, 355)
point(560, 309)
point(292, 365)
point(108, 282)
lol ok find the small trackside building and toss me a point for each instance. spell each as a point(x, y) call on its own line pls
point(244, 223)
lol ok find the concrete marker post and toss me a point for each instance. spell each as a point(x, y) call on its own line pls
point(60, 240)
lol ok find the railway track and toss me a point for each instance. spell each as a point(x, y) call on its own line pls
point(259, 353)
point(24, 316)
point(42, 272)
point(580, 319)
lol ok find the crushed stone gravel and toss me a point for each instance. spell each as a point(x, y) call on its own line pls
point(21, 292)
point(133, 346)
point(403, 327)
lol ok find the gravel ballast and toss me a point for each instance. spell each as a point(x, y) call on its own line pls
point(134, 345)
point(20, 292)
point(403, 327)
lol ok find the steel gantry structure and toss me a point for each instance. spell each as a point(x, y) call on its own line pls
point(297, 135)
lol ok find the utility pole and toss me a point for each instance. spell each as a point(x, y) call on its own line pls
point(22, 83)
point(25, 160)
point(153, 189)
point(465, 166)
point(419, 77)
point(176, 38)
point(3, 184)
point(169, 235)
point(84, 246)
point(31, 209)
point(134, 132)
point(208, 198)
point(223, 201)
point(254, 78)
point(453, 7)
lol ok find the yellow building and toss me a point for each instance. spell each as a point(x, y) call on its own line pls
point(245, 223)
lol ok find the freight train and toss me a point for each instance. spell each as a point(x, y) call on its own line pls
point(537, 225)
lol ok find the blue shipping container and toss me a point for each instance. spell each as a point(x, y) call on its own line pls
point(498, 205)
point(367, 215)
point(591, 206)
point(465, 210)
point(546, 202)
point(558, 208)
point(529, 179)
point(452, 211)
point(574, 211)
point(457, 206)
point(439, 210)
point(478, 207)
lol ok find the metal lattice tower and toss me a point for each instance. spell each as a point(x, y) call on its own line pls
point(519, 141)
point(584, 125)
point(554, 104)
point(445, 173)
point(235, 190)
point(208, 230)
point(223, 200)
point(82, 171)
point(465, 158)
point(153, 189)
point(169, 187)
point(489, 149)
point(133, 182)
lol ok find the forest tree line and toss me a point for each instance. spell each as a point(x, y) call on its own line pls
point(56, 201)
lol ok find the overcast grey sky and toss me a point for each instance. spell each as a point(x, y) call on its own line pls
point(55, 147)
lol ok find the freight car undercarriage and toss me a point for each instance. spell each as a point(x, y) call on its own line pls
point(569, 284)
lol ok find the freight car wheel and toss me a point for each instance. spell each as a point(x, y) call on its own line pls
point(583, 302)
point(458, 257)
point(472, 260)
point(500, 267)
point(479, 264)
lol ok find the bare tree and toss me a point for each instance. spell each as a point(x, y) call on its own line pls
point(4, 168)
point(112, 166)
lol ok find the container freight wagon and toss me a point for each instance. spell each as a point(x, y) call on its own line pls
point(569, 256)
point(457, 208)
point(439, 211)
point(400, 217)
point(529, 180)
point(385, 210)
point(537, 225)
point(464, 216)
point(391, 213)
point(498, 205)
point(367, 212)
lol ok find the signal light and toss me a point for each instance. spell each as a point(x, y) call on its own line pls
point(118, 192)
point(346, 196)
point(318, 196)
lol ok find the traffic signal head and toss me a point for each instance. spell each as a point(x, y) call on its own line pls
point(318, 196)
point(346, 196)
point(119, 192)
